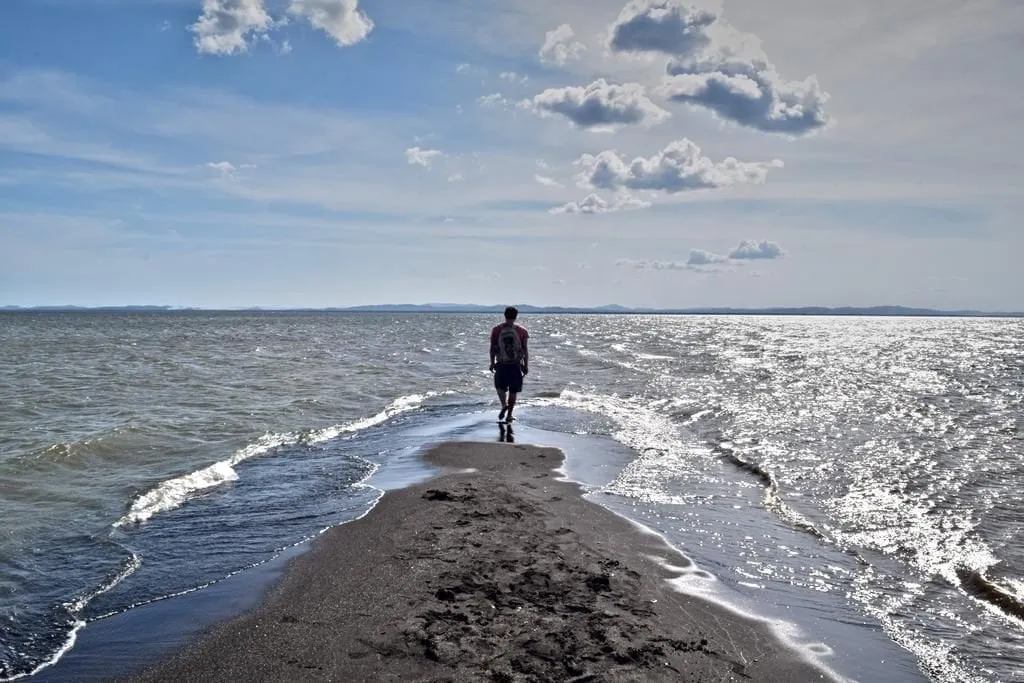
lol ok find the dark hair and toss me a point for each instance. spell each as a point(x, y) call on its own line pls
point(511, 313)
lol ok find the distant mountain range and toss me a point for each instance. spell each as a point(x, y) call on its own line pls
point(611, 309)
point(615, 309)
point(72, 309)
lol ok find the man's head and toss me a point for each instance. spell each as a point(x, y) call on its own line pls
point(511, 313)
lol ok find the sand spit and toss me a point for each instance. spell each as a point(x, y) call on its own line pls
point(502, 573)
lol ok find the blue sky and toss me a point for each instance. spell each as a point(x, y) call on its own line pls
point(228, 153)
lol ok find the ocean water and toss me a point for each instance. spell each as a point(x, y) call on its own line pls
point(855, 481)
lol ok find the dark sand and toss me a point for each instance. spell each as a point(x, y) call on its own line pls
point(504, 574)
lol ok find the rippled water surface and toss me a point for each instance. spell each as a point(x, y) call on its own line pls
point(838, 472)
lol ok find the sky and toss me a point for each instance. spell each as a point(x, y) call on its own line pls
point(317, 153)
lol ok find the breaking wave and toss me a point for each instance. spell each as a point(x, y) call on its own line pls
point(172, 493)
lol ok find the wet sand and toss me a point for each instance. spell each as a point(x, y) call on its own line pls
point(503, 573)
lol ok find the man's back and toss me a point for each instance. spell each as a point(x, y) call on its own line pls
point(508, 340)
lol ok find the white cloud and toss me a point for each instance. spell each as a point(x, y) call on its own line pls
point(340, 19)
point(706, 261)
point(422, 157)
point(594, 203)
point(225, 25)
point(701, 257)
point(747, 91)
point(677, 168)
point(559, 46)
point(626, 202)
point(752, 250)
point(651, 265)
point(718, 67)
point(492, 100)
point(513, 77)
point(668, 26)
point(463, 68)
point(456, 178)
point(598, 104)
point(546, 181)
point(225, 168)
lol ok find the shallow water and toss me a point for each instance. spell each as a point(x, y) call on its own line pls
point(854, 477)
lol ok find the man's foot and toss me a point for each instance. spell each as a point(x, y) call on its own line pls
point(501, 415)
point(509, 418)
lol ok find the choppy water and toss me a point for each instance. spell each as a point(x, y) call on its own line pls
point(848, 475)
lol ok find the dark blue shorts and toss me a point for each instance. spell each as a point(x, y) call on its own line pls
point(508, 377)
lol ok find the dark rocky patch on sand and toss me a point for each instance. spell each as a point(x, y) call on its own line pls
point(537, 607)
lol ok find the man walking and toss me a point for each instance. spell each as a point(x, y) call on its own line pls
point(510, 361)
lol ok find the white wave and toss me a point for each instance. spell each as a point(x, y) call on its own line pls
point(172, 493)
point(655, 437)
point(696, 417)
point(399, 405)
point(940, 661)
point(130, 567)
point(605, 358)
point(890, 521)
point(69, 643)
point(75, 608)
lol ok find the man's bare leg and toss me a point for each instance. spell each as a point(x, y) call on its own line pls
point(504, 404)
point(511, 404)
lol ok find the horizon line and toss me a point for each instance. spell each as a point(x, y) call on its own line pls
point(876, 310)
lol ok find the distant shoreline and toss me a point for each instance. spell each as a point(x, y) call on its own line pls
point(875, 311)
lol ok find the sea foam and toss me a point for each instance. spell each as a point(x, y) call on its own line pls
point(172, 493)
